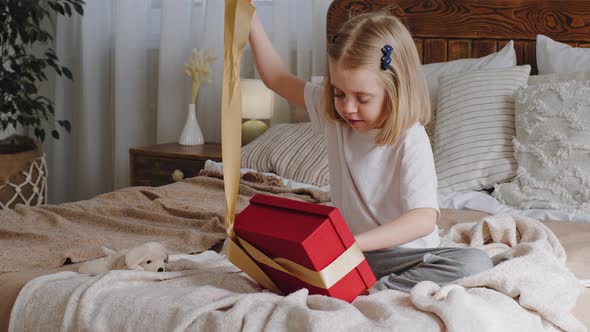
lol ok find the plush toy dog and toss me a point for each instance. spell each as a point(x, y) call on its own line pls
point(150, 256)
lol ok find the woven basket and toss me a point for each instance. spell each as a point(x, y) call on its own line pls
point(23, 178)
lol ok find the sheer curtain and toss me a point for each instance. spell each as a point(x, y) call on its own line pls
point(130, 89)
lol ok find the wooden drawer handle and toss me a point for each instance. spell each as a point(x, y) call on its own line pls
point(177, 175)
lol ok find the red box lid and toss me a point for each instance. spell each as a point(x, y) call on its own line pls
point(309, 234)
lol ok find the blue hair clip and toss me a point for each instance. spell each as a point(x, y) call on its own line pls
point(386, 59)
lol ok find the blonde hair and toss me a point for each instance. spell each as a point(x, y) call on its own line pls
point(358, 45)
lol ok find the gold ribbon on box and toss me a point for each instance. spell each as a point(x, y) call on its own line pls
point(238, 17)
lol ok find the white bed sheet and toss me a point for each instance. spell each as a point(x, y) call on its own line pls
point(465, 200)
point(480, 201)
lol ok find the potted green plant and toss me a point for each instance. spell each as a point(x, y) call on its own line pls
point(25, 58)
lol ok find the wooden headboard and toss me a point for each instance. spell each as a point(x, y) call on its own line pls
point(452, 29)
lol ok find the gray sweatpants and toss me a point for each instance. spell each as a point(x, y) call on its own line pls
point(403, 268)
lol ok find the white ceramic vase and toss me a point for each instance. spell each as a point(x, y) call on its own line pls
point(191, 133)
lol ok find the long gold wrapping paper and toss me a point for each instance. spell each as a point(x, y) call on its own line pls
point(238, 17)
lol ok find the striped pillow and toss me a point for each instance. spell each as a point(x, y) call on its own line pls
point(291, 150)
point(474, 128)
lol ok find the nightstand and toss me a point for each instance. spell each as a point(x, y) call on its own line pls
point(154, 165)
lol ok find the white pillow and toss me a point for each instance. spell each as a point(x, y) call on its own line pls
point(475, 126)
point(505, 58)
point(556, 57)
point(552, 148)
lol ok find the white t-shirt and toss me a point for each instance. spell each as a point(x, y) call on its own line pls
point(370, 184)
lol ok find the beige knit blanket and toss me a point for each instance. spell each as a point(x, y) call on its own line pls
point(528, 289)
point(186, 217)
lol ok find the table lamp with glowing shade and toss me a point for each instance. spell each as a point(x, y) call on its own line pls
point(257, 103)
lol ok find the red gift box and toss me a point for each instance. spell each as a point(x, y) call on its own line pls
point(313, 236)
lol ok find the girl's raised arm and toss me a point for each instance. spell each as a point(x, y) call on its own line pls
point(273, 71)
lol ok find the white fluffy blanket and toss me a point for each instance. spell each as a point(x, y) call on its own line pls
point(529, 289)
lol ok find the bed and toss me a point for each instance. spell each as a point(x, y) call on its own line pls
point(187, 216)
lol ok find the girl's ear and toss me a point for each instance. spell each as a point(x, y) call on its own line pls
point(134, 257)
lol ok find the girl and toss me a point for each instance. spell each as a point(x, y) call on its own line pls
point(371, 110)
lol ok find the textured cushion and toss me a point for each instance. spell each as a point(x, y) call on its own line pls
point(505, 58)
point(291, 150)
point(552, 148)
point(474, 128)
point(555, 57)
